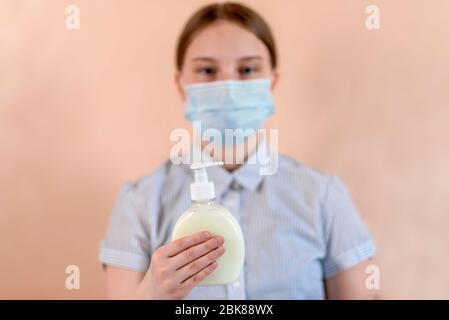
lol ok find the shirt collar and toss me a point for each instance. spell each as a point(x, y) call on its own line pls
point(247, 175)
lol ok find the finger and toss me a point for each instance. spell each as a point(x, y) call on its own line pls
point(179, 245)
point(193, 253)
point(199, 264)
point(198, 277)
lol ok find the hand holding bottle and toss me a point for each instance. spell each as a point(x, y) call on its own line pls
point(177, 267)
point(206, 214)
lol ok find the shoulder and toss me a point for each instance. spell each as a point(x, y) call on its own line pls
point(292, 170)
point(145, 183)
point(309, 181)
point(148, 189)
point(292, 166)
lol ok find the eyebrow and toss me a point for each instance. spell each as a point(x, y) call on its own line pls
point(212, 59)
point(251, 58)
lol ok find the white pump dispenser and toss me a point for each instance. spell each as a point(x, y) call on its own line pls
point(206, 215)
point(202, 189)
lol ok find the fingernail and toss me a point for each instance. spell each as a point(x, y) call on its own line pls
point(206, 234)
point(220, 239)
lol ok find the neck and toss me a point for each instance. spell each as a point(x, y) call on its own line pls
point(233, 152)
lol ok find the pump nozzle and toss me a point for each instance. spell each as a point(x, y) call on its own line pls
point(202, 189)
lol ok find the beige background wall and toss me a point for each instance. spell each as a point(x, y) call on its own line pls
point(83, 111)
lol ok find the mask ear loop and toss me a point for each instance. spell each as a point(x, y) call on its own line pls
point(272, 78)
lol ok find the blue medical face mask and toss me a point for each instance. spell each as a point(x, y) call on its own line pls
point(230, 104)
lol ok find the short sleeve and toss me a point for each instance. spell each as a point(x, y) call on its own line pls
point(127, 242)
point(348, 242)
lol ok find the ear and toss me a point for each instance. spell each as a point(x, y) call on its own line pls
point(179, 85)
point(274, 79)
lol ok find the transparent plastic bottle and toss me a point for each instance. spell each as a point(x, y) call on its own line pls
point(206, 215)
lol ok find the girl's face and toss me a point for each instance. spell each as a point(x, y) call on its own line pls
point(225, 51)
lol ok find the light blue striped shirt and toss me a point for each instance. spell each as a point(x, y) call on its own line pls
point(300, 226)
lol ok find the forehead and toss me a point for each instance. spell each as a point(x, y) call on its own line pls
point(225, 40)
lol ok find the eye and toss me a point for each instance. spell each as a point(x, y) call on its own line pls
point(206, 71)
point(247, 70)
